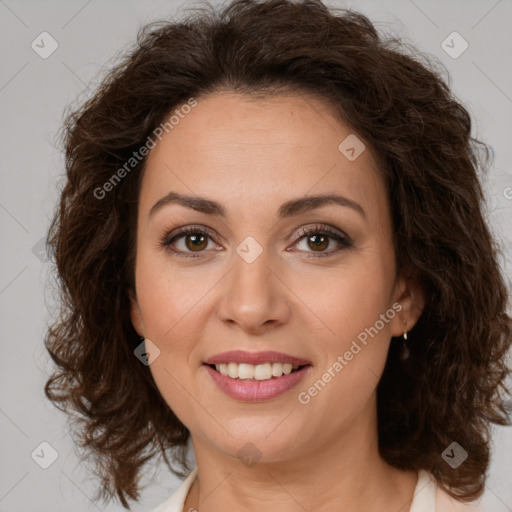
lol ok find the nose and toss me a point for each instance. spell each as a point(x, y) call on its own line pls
point(254, 296)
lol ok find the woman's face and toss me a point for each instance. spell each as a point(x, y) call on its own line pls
point(251, 171)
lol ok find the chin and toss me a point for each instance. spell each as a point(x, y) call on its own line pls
point(257, 444)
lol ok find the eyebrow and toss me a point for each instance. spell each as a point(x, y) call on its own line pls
point(288, 209)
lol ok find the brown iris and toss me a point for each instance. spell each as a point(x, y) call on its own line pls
point(196, 242)
point(321, 242)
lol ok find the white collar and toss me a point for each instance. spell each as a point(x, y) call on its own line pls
point(424, 499)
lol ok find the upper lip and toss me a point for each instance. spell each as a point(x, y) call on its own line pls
point(241, 356)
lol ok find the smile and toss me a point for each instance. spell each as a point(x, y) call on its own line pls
point(265, 371)
point(256, 383)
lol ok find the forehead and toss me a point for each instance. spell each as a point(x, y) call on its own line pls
point(232, 147)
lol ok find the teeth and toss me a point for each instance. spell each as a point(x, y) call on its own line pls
point(245, 371)
point(232, 370)
point(277, 369)
point(263, 371)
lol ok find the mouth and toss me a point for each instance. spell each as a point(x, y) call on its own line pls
point(256, 376)
point(256, 383)
point(259, 372)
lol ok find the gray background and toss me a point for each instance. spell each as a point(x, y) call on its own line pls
point(33, 94)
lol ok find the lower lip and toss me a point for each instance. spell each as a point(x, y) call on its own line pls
point(248, 390)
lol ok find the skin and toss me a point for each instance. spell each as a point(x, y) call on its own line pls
point(251, 156)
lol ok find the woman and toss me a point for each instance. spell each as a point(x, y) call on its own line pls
point(271, 244)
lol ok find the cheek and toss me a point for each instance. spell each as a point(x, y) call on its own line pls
point(351, 297)
point(168, 294)
point(170, 302)
point(353, 337)
point(172, 380)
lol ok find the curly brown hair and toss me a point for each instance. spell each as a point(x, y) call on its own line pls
point(395, 99)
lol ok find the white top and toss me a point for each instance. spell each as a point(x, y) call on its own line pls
point(428, 497)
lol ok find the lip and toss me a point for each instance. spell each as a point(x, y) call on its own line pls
point(251, 390)
point(269, 356)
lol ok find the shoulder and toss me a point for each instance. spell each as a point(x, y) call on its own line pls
point(177, 500)
point(429, 497)
point(445, 503)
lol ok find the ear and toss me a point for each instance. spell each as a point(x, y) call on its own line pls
point(135, 314)
point(410, 294)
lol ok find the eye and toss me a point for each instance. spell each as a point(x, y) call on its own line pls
point(193, 241)
point(319, 238)
point(188, 240)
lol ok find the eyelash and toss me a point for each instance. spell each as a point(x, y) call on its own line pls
point(169, 238)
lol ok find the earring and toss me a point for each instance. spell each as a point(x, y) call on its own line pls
point(404, 349)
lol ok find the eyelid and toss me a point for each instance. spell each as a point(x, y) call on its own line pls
point(169, 237)
point(339, 236)
point(323, 228)
point(332, 232)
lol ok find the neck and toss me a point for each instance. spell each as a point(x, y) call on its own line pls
point(340, 472)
